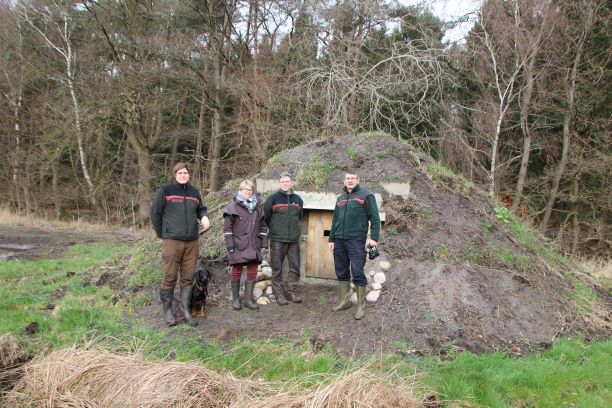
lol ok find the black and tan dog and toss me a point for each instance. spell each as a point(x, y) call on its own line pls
point(200, 289)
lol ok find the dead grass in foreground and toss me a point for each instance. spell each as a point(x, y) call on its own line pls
point(97, 378)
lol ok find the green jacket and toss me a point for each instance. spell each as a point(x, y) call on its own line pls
point(283, 213)
point(355, 213)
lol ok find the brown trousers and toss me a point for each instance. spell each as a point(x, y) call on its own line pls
point(179, 255)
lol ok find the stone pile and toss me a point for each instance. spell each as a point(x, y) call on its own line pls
point(262, 293)
point(376, 279)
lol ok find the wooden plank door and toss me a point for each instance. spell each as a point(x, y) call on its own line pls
point(319, 260)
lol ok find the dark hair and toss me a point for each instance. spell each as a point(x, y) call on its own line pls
point(179, 166)
point(351, 171)
point(285, 174)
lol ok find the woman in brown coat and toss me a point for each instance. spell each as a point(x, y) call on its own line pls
point(246, 233)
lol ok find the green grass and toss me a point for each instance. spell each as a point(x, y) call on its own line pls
point(315, 173)
point(571, 373)
point(30, 285)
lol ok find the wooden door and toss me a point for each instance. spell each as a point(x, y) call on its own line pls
point(319, 259)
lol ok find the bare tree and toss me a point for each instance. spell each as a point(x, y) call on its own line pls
point(56, 16)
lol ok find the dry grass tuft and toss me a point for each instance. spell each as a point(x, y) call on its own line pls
point(12, 358)
point(11, 353)
point(357, 389)
point(95, 378)
point(8, 217)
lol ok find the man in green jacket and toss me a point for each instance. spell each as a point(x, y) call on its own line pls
point(283, 210)
point(356, 211)
point(177, 208)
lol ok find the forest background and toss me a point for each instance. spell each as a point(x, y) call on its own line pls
point(99, 98)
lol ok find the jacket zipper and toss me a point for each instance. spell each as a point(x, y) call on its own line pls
point(185, 208)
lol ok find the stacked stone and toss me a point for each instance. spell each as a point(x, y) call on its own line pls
point(376, 280)
point(262, 293)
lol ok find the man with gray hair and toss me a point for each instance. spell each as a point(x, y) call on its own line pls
point(284, 209)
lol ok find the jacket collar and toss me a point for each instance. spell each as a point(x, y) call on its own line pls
point(356, 189)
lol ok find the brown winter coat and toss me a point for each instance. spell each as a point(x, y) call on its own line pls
point(245, 233)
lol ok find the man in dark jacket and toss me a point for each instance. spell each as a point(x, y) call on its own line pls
point(176, 210)
point(356, 211)
point(284, 209)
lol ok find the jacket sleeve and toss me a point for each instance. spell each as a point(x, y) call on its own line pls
point(332, 233)
point(263, 231)
point(157, 212)
point(301, 208)
point(228, 231)
point(373, 217)
point(268, 209)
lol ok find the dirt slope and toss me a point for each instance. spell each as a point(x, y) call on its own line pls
point(459, 277)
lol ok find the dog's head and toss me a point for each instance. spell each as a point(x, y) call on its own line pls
point(203, 274)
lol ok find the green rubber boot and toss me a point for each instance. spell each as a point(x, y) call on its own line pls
point(248, 295)
point(345, 296)
point(361, 301)
point(236, 295)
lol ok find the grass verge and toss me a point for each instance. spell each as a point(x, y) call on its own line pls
point(71, 310)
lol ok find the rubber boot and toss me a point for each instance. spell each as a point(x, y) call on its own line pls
point(345, 296)
point(166, 296)
point(248, 295)
point(185, 305)
point(361, 301)
point(236, 295)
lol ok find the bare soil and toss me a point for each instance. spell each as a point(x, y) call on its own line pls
point(459, 279)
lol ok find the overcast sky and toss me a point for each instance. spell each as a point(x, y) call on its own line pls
point(450, 10)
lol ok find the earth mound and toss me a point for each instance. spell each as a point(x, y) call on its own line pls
point(461, 277)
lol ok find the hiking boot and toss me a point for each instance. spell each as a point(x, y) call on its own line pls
point(280, 298)
point(279, 293)
point(293, 297)
point(345, 296)
point(248, 295)
point(236, 295)
point(186, 305)
point(166, 296)
point(361, 301)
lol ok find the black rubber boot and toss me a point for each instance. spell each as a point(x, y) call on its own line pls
point(166, 296)
point(361, 301)
point(248, 295)
point(345, 296)
point(236, 295)
point(185, 305)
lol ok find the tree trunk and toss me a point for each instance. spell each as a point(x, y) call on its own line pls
point(525, 102)
point(567, 128)
point(177, 131)
point(574, 206)
point(143, 191)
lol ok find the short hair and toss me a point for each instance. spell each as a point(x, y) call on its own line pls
point(351, 171)
point(246, 184)
point(179, 166)
point(285, 174)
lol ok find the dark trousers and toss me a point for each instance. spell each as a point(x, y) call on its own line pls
point(179, 255)
point(349, 259)
point(278, 251)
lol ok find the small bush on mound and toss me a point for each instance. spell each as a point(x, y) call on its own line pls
point(87, 377)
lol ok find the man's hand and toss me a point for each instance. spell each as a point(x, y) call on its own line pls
point(372, 243)
point(205, 223)
point(331, 246)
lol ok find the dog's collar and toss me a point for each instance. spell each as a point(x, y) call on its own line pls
point(197, 285)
